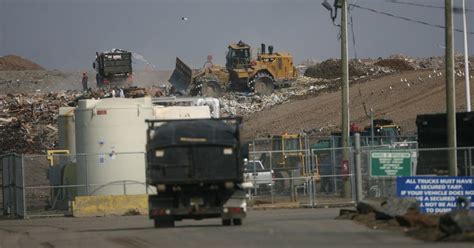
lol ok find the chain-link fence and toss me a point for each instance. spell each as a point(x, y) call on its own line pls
point(13, 200)
point(287, 170)
point(45, 185)
point(317, 172)
point(290, 170)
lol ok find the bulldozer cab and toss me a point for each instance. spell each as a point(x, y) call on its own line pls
point(238, 56)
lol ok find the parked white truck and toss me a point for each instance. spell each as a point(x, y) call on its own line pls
point(255, 172)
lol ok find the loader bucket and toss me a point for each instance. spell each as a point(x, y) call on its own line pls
point(182, 76)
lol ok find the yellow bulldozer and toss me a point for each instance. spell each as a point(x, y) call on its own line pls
point(241, 72)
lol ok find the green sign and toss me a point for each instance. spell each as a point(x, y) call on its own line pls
point(390, 163)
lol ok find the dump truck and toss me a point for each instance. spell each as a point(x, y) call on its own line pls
point(113, 68)
point(241, 72)
point(197, 169)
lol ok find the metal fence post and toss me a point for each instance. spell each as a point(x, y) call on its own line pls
point(254, 168)
point(124, 187)
point(358, 165)
point(273, 179)
point(87, 175)
point(23, 185)
point(471, 167)
point(333, 163)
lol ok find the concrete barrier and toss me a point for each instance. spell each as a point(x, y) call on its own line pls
point(90, 206)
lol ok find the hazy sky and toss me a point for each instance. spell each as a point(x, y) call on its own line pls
point(65, 34)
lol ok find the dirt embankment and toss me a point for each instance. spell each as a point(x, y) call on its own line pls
point(17, 63)
point(389, 96)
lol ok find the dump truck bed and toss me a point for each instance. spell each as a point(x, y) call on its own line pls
point(194, 151)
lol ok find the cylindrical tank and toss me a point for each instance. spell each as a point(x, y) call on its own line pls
point(110, 145)
point(67, 141)
point(66, 129)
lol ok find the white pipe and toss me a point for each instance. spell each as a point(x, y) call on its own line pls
point(466, 59)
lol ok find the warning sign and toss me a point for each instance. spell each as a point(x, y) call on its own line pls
point(436, 194)
point(390, 163)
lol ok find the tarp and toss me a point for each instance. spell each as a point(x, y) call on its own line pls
point(195, 132)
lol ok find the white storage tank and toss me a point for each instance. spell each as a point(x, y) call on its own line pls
point(112, 132)
point(66, 129)
point(181, 112)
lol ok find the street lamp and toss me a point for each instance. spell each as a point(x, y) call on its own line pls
point(333, 11)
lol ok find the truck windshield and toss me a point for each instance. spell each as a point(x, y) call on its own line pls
point(253, 166)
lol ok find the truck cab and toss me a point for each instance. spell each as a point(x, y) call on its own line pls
point(238, 56)
point(255, 172)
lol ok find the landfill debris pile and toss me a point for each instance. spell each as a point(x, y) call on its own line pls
point(404, 215)
point(395, 64)
point(28, 122)
point(17, 63)
point(243, 104)
point(331, 68)
point(431, 62)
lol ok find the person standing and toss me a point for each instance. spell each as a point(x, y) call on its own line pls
point(84, 81)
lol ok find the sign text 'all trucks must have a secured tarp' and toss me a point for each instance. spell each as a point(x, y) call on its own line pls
point(436, 194)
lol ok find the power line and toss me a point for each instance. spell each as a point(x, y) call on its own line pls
point(406, 18)
point(455, 9)
point(353, 34)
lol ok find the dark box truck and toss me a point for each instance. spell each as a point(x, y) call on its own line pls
point(433, 133)
point(196, 167)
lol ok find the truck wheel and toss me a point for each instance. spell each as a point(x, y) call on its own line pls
point(226, 222)
point(210, 89)
point(159, 223)
point(237, 222)
point(262, 83)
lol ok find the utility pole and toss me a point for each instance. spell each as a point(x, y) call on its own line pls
point(345, 92)
point(345, 163)
point(450, 91)
point(466, 59)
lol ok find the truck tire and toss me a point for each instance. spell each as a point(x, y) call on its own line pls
point(226, 222)
point(208, 86)
point(262, 83)
point(163, 223)
point(237, 222)
point(210, 89)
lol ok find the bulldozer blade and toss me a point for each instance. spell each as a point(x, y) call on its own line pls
point(182, 76)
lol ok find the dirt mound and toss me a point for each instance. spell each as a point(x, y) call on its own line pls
point(423, 92)
point(331, 69)
point(17, 63)
point(395, 64)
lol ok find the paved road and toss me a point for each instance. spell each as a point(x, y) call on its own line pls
point(262, 228)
